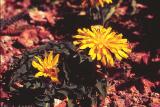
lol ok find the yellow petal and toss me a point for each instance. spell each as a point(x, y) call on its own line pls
point(108, 30)
point(38, 66)
point(123, 54)
point(114, 46)
point(108, 1)
point(110, 36)
point(92, 51)
point(119, 36)
point(127, 50)
point(93, 29)
point(84, 46)
point(108, 56)
point(79, 36)
point(103, 60)
point(55, 60)
point(113, 50)
point(45, 75)
point(96, 28)
point(99, 56)
point(122, 41)
point(84, 41)
point(101, 3)
point(111, 62)
point(91, 45)
point(38, 74)
point(102, 30)
point(85, 30)
point(93, 56)
point(104, 51)
point(118, 57)
point(91, 33)
point(80, 31)
point(54, 79)
point(39, 60)
point(76, 42)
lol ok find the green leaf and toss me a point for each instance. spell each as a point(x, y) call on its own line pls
point(101, 87)
point(28, 84)
point(70, 103)
point(42, 104)
point(12, 89)
point(43, 98)
point(94, 100)
point(64, 92)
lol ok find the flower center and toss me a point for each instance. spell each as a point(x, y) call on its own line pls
point(52, 72)
point(100, 41)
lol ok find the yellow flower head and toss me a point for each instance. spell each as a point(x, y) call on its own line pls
point(101, 2)
point(103, 44)
point(47, 67)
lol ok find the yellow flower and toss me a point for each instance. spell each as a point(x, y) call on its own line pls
point(103, 44)
point(47, 67)
point(101, 2)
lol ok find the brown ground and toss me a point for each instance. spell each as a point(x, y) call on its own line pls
point(135, 82)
